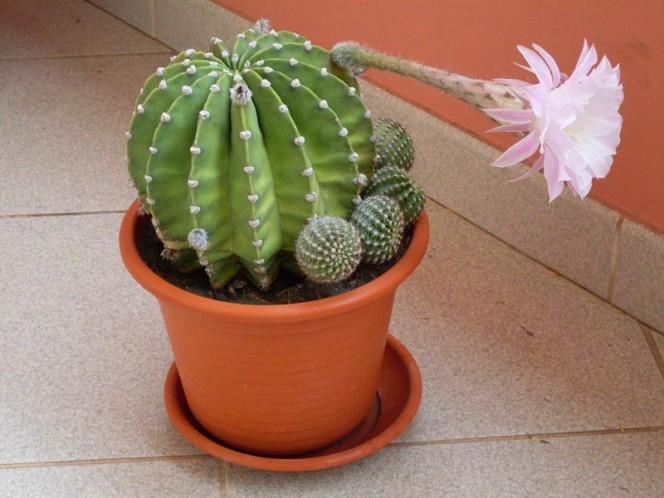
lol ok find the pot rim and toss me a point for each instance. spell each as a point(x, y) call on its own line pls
point(319, 308)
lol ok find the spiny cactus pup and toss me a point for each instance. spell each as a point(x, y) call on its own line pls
point(380, 223)
point(233, 149)
point(328, 249)
point(394, 147)
point(396, 184)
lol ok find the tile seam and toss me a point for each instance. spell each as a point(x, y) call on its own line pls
point(534, 436)
point(153, 37)
point(72, 213)
point(223, 479)
point(81, 56)
point(101, 461)
point(615, 258)
point(432, 442)
point(654, 349)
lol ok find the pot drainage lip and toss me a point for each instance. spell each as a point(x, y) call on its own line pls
point(397, 400)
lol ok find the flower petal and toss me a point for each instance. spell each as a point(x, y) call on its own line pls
point(551, 166)
point(539, 67)
point(587, 59)
point(539, 164)
point(510, 115)
point(514, 128)
point(551, 62)
point(521, 150)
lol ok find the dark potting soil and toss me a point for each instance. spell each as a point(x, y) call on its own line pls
point(287, 288)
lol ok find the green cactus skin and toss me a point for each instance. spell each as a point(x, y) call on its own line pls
point(393, 182)
point(394, 147)
point(328, 249)
point(380, 223)
point(231, 151)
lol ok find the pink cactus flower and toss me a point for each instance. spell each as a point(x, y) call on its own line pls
point(573, 122)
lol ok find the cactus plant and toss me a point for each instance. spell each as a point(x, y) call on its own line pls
point(380, 223)
point(232, 150)
point(396, 184)
point(394, 147)
point(328, 249)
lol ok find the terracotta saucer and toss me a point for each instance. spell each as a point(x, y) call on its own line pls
point(397, 400)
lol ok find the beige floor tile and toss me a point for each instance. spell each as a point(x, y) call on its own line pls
point(162, 479)
point(639, 286)
point(508, 347)
point(608, 466)
point(63, 146)
point(42, 28)
point(137, 13)
point(571, 236)
point(203, 19)
point(84, 353)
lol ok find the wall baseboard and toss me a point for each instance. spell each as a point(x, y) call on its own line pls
point(614, 258)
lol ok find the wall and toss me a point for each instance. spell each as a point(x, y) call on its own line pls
point(479, 38)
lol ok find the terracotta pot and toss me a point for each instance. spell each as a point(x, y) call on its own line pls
point(277, 379)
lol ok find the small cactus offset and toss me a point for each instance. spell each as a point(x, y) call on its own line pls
point(393, 182)
point(328, 249)
point(380, 223)
point(394, 147)
point(232, 150)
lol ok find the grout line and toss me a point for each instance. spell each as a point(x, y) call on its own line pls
point(525, 437)
point(81, 56)
point(101, 461)
point(654, 349)
point(149, 35)
point(73, 213)
point(540, 263)
point(223, 479)
point(223, 469)
point(615, 258)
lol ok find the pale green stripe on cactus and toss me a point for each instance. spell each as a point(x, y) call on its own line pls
point(169, 164)
point(175, 68)
point(295, 182)
point(263, 42)
point(209, 184)
point(333, 159)
point(346, 104)
point(253, 202)
point(221, 51)
point(146, 118)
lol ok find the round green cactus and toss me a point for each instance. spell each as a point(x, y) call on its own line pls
point(232, 150)
point(394, 147)
point(380, 223)
point(396, 184)
point(328, 249)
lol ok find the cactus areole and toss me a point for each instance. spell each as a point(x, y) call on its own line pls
point(234, 149)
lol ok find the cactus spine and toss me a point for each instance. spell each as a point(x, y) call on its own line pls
point(232, 150)
point(393, 182)
point(394, 147)
point(328, 249)
point(380, 223)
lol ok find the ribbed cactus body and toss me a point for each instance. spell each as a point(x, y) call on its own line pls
point(328, 249)
point(394, 147)
point(380, 223)
point(232, 151)
point(393, 182)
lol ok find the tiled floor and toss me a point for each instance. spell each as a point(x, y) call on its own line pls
point(533, 386)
